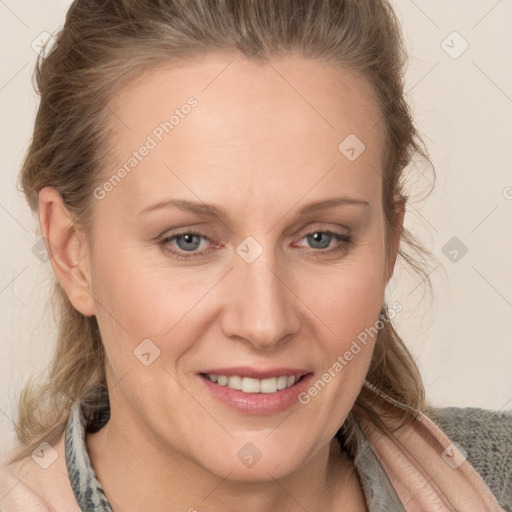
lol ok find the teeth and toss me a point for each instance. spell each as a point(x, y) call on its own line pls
point(268, 385)
point(248, 385)
point(234, 382)
point(282, 382)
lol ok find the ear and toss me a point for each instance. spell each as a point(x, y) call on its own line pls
point(398, 225)
point(67, 249)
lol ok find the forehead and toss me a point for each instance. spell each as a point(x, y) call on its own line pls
point(268, 128)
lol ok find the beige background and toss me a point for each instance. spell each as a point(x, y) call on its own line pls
point(463, 107)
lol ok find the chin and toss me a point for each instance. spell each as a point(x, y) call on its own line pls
point(262, 471)
point(256, 461)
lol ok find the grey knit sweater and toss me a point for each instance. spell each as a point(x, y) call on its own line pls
point(486, 436)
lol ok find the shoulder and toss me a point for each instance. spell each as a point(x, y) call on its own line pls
point(38, 484)
point(486, 437)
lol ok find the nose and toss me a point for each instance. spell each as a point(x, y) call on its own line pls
point(263, 308)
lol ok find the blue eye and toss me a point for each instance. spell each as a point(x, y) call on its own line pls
point(323, 239)
point(187, 242)
point(190, 241)
point(185, 245)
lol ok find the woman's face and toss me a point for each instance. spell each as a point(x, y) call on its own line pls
point(259, 291)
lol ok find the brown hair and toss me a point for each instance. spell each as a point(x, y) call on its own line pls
point(105, 44)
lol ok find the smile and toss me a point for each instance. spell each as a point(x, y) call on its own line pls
point(250, 385)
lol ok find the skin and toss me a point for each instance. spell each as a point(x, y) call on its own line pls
point(291, 307)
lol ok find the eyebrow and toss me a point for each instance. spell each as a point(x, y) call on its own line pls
point(215, 211)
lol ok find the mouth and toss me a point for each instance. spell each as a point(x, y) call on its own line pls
point(256, 391)
point(250, 385)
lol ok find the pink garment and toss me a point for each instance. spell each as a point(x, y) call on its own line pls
point(26, 487)
point(428, 471)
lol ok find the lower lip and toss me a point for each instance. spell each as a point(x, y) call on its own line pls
point(258, 403)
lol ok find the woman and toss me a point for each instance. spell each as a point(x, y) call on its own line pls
point(220, 188)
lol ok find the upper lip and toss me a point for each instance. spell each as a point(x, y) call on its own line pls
point(257, 373)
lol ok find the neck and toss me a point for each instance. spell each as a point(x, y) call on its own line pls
point(137, 474)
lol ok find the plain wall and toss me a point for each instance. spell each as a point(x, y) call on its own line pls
point(463, 109)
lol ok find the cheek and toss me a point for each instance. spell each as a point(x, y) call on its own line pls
point(141, 300)
point(352, 315)
point(350, 306)
point(351, 311)
point(136, 304)
point(358, 300)
point(350, 297)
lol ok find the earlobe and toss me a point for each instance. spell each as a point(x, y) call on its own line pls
point(67, 250)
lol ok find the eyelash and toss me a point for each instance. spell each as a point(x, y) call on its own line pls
point(346, 241)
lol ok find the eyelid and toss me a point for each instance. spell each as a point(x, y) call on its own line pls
point(301, 233)
point(319, 226)
point(164, 242)
point(343, 239)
